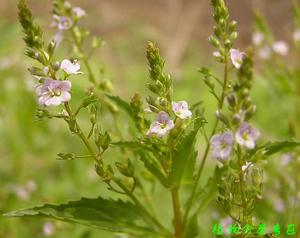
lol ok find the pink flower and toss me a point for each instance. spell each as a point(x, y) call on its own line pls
point(53, 92)
point(221, 145)
point(49, 229)
point(181, 109)
point(79, 12)
point(69, 67)
point(257, 38)
point(162, 125)
point(237, 58)
point(281, 48)
point(246, 135)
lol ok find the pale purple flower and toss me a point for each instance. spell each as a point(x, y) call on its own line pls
point(281, 48)
point(237, 57)
point(279, 205)
point(21, 192)
point(162, 125)
point(49, 229)
point(265, 52)
point(257, 38)
point(181, 109)
point(296, 35)
point(69, 67)
point(79, 12)
point(285, 159)
point(246, 135)
point(53, 92)
point(61, 22)
point(221, 145)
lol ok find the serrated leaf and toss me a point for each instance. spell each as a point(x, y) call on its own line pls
point(99, 213)
point(184, 155)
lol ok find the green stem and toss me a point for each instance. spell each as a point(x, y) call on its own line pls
point(241, 185)
point(84, 59)
point(141, 207)
point(81, 134)
point(205, 155)
point(120, 184)
point(177, 214)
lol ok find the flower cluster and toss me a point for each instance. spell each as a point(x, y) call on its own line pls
point(53, 92)
point(163, 123)
point(222, 144)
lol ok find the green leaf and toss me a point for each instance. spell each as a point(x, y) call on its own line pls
point(99, 213)
point(273, 148)
point(125, 106)
point(184, 155)
point(154, 168)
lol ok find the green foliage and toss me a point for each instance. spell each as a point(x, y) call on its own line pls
point(112, 215)
point(184, 156)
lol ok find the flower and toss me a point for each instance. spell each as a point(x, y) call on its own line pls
point(257, 38)
point(247, 166)
point(237, 58)
point(296, 35)
point(181, 109)
point(281, 48)
point(62, 22)
point(216, 54)
point(49, 229)
point(265, 52)
point(162, 125)
point(53, 92)
point(222, 145)
point(246, 135)
point(79, 12)
point(69, 67)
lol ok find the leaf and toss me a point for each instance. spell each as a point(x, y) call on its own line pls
point(99, 213)
point(154, 168)
point(273, 148)
point(122, 104)
point(184, 155)
point(192, 227)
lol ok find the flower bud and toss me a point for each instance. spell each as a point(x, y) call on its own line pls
point(222, 117)
point(232, 26)
point(214, 41)
point(231, 100)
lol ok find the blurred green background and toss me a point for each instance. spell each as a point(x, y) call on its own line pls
point(29, 171)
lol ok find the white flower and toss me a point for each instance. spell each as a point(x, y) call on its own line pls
point(69, 67)
point(237, 57)
point(296, 35)
point(162, 125)
point(247, 166)
point(216, 54)
point(246, 135)
point(281, 48)
point(257, 38)
point(79, 12)
point(181, 109)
